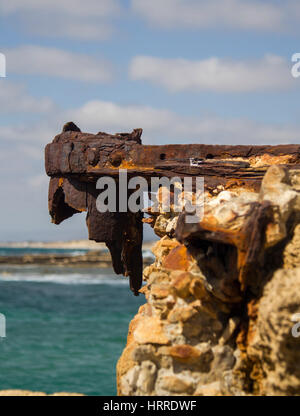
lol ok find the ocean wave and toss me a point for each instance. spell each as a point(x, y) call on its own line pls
point(70, 278)
point(23, 251)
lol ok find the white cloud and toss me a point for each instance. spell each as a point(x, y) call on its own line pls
point(214, 74)
point(31, 151)
point(38, 181)
point(53, 62)
point(98, 115)
point(160, 126)
point(99, 8)
point(70, 27)
point(15, 98)
point(164, 126)
point(84, 20)
point(236, 14)
point(38, 133)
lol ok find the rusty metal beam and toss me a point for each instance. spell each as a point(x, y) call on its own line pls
point(75, 160)
point(90, 156)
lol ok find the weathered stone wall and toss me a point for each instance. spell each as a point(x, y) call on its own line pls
point(214, 324)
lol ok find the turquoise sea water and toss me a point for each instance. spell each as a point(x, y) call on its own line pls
point(21, 251)
point(65, 328)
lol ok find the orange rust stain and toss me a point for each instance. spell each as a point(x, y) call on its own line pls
point(234, 237)
point(124, 165)
point(234, 183)
point(247, 332)
point(177, 259)
point(148, 220)
point(183, 351)
point(130, 165)
point(241, 339)
point(181, 284)
point(252, 313)
point(210, 221)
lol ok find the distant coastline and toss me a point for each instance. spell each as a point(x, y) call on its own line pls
point(72, 244)
point(75, 253)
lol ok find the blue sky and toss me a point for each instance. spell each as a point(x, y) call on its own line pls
point(186, 71)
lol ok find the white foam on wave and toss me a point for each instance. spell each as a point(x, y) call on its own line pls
point(71, 278)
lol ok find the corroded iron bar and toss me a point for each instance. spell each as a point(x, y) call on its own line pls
point(75, 160)
point(89, 156)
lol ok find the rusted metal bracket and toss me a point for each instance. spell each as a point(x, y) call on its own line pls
point(75, 160)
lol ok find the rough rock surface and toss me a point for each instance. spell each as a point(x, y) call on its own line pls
point(273, 348)
point(221, 295)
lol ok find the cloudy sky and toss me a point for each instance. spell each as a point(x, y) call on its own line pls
point(186, 71)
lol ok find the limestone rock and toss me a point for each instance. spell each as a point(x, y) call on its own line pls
point(212, 389)
point(174, 384)
point(274, 348)
point(222, 296)
point(146, 377)
point(150, 330)
point(291, 253)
